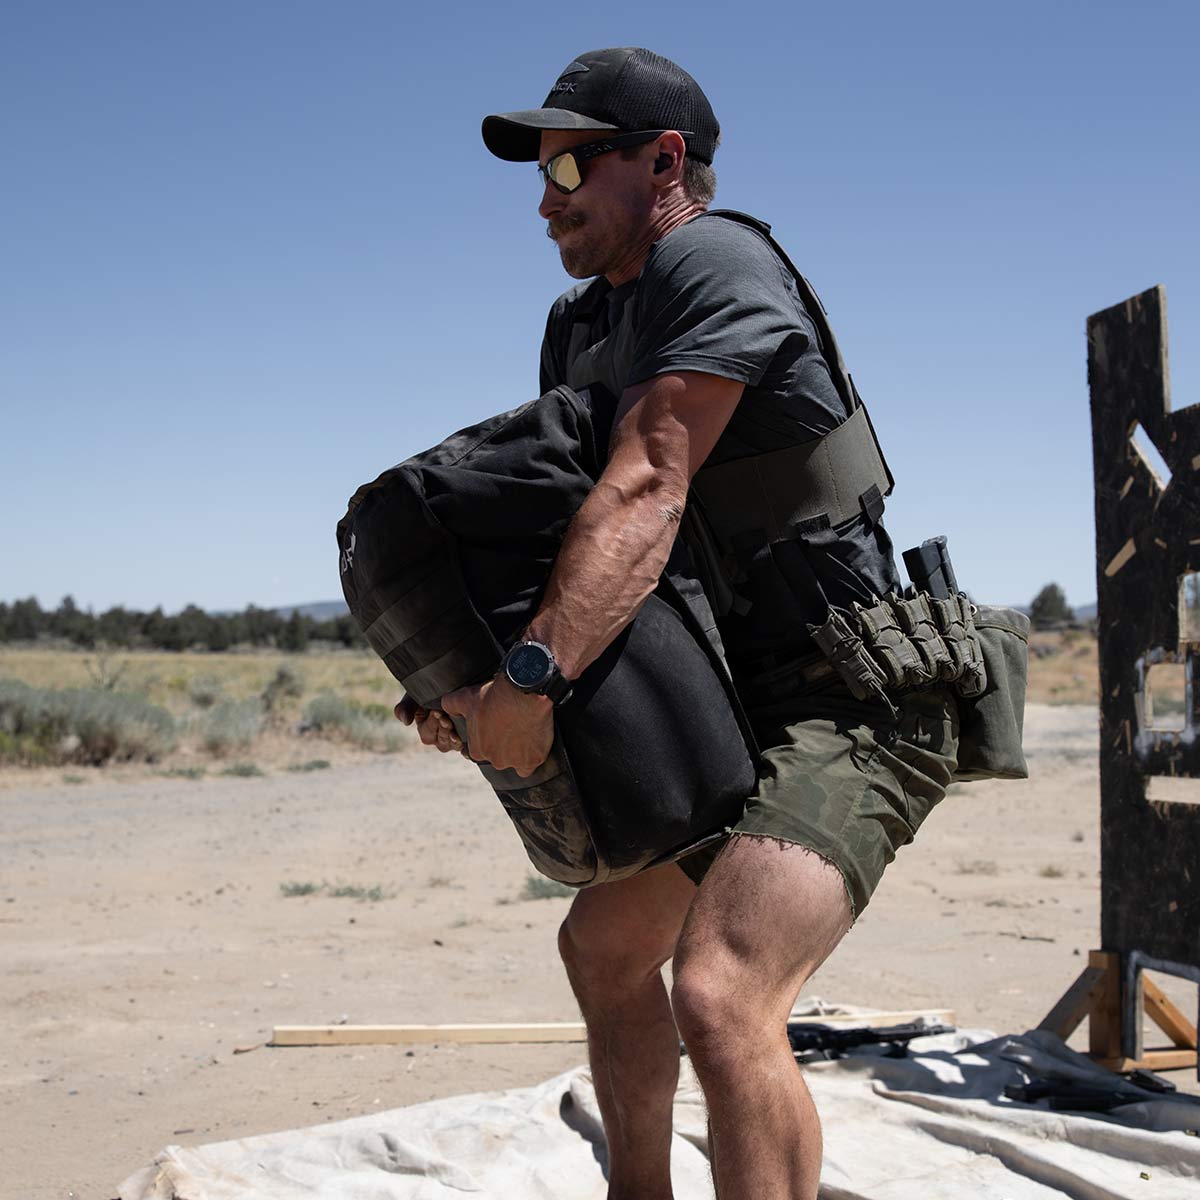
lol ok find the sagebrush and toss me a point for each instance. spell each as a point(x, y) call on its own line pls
point(42, 727)
point(371, 726)
point(231, 725)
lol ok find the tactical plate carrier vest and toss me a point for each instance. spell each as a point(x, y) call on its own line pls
point(747, 525)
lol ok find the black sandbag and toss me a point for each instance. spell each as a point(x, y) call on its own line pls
point(444, 559)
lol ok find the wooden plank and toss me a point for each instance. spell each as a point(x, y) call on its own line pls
point(1151, 1060)
point(1167, 1017)
point(550, 1031)
point(360, 1035)
point(1143, 547)
point(1065, 1017)
point(1104, 1017)
point(1121, 557)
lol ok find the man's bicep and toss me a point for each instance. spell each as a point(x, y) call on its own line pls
point(671, 423)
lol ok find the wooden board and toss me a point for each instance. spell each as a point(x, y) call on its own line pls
point(1145, 542)
point(1067, 1015)
point(1104, 1020)
point(1152, 1060)
point(1167, 1017)
point(362, 1035)
point(551, 1031)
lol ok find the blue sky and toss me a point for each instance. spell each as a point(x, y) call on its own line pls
point(255, 253)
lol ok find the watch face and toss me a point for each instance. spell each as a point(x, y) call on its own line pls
point(528, 665)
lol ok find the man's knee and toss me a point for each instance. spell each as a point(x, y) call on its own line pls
point(716, 1012)
point(618, 935)
point(601, 956)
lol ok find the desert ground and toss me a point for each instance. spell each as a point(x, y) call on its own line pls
point(158, 919)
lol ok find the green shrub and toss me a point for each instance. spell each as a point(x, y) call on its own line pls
point(105, 675)
point(78, 725)
point(284, 684)
point(205, 690)
point(371, 726)
point(538, 887)
point(298, 888)
point(243, 770)
point(313, 764)
point(192, 773)
point(231, 725)
point(356, 891)
point(340, 891)
point(25, 750)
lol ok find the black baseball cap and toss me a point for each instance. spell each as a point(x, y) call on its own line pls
point(627, 89)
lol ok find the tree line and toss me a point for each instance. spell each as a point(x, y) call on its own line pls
point(191, 629)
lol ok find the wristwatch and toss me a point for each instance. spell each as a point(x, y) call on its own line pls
point(530, 667)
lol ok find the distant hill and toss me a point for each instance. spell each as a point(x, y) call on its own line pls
point(323, 610)
point(1083, 612)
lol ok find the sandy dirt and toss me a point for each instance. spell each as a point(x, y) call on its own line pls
point(145, 937)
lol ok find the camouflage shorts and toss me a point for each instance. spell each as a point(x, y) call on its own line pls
point(845, 778)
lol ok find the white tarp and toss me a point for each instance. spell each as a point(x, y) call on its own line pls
point(933, 1126)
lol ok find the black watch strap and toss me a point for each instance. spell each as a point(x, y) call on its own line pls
point(558, 688)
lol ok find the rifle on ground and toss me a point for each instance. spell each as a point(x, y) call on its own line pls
point(1072, 1095)
point(815, 1042)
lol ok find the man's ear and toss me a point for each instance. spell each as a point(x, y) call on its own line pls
point(669, 159)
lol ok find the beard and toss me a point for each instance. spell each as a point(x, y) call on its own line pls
point(582, 259)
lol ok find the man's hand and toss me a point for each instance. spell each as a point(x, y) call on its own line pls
point(505, 727)
point(434, 728)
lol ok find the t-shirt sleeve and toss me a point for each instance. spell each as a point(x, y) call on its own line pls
point(715, 299)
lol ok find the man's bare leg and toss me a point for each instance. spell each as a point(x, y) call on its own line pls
point(614, 943)
point(765, 917)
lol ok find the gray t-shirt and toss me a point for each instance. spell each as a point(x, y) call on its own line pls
point(713, 296)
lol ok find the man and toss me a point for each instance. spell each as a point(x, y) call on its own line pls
point(695, 323)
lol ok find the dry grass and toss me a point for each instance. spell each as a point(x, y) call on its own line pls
point(229, 703)
point(165, 678)
point(1063, 668)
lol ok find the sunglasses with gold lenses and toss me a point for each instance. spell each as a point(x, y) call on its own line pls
point(566, 170)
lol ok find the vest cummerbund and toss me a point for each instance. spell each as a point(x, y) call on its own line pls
point(444, 559)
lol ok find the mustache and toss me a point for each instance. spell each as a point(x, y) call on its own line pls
point(557, 226)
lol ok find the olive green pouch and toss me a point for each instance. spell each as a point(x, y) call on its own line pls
point(990, 724)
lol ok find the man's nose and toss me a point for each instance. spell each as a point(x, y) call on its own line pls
point(553, 201)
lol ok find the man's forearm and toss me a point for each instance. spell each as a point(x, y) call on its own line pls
point(610, 561)
point(621, 538)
